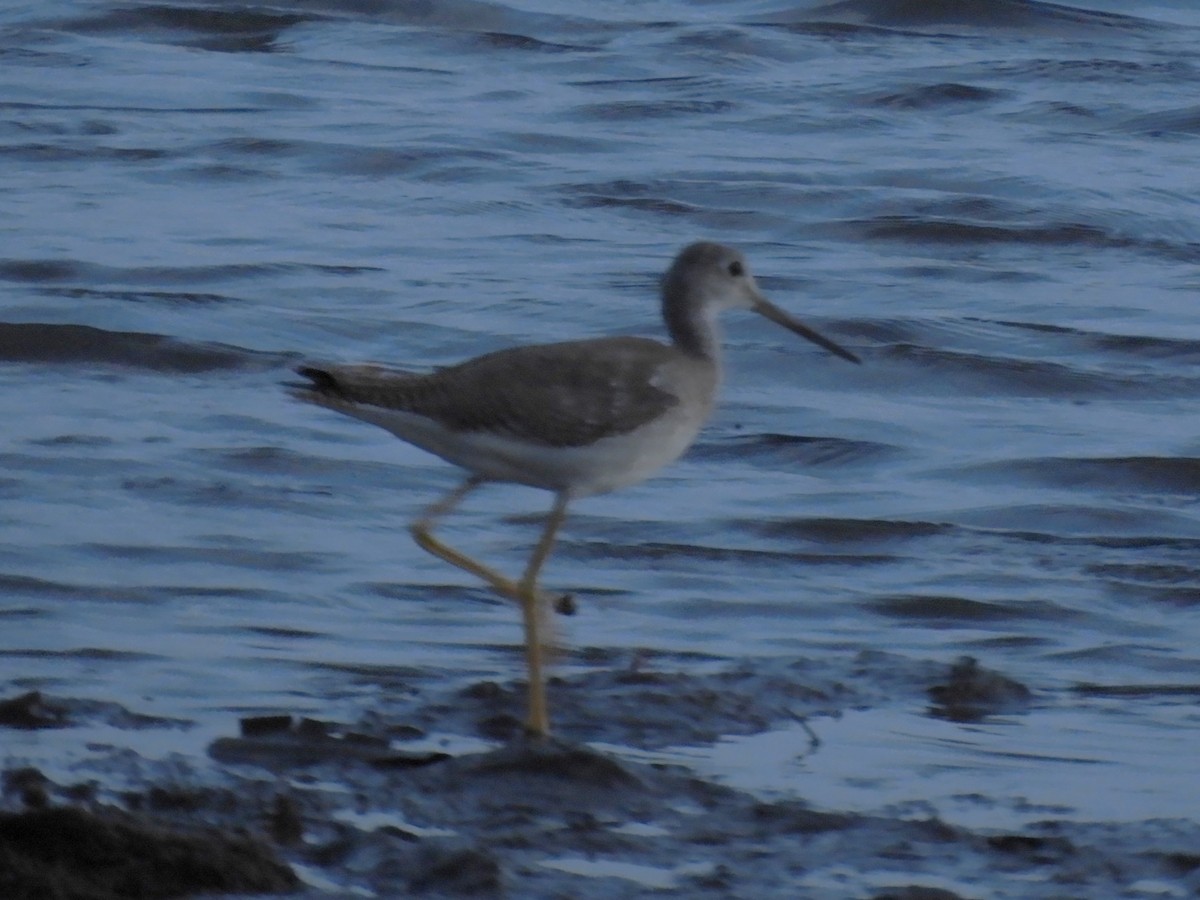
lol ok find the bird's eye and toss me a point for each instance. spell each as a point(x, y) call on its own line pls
point(736, 269)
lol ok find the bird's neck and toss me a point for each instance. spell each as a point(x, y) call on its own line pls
point(693, 330)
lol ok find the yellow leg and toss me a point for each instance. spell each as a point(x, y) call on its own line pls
point(532, 610)
point(533, 602)
point(423, 535)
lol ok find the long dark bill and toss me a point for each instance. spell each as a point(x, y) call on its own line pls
point(779, 317)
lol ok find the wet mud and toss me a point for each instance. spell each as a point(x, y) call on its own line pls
point(107, 853)
point(288, 804)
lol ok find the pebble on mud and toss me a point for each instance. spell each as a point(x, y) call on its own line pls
point(31, 710)
point(971, 693)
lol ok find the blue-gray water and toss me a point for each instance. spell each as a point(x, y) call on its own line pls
point(993, 203)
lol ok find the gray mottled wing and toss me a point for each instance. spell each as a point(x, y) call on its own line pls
point(567, 394)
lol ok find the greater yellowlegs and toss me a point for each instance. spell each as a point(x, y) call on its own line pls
point(576, 418)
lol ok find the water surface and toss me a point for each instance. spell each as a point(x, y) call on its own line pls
point(994, 204)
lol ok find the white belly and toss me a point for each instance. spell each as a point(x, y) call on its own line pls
point(608, 464)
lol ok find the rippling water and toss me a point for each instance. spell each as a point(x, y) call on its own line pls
point(993, 203)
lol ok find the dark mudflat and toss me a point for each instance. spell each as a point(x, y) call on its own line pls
point(349, 808)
